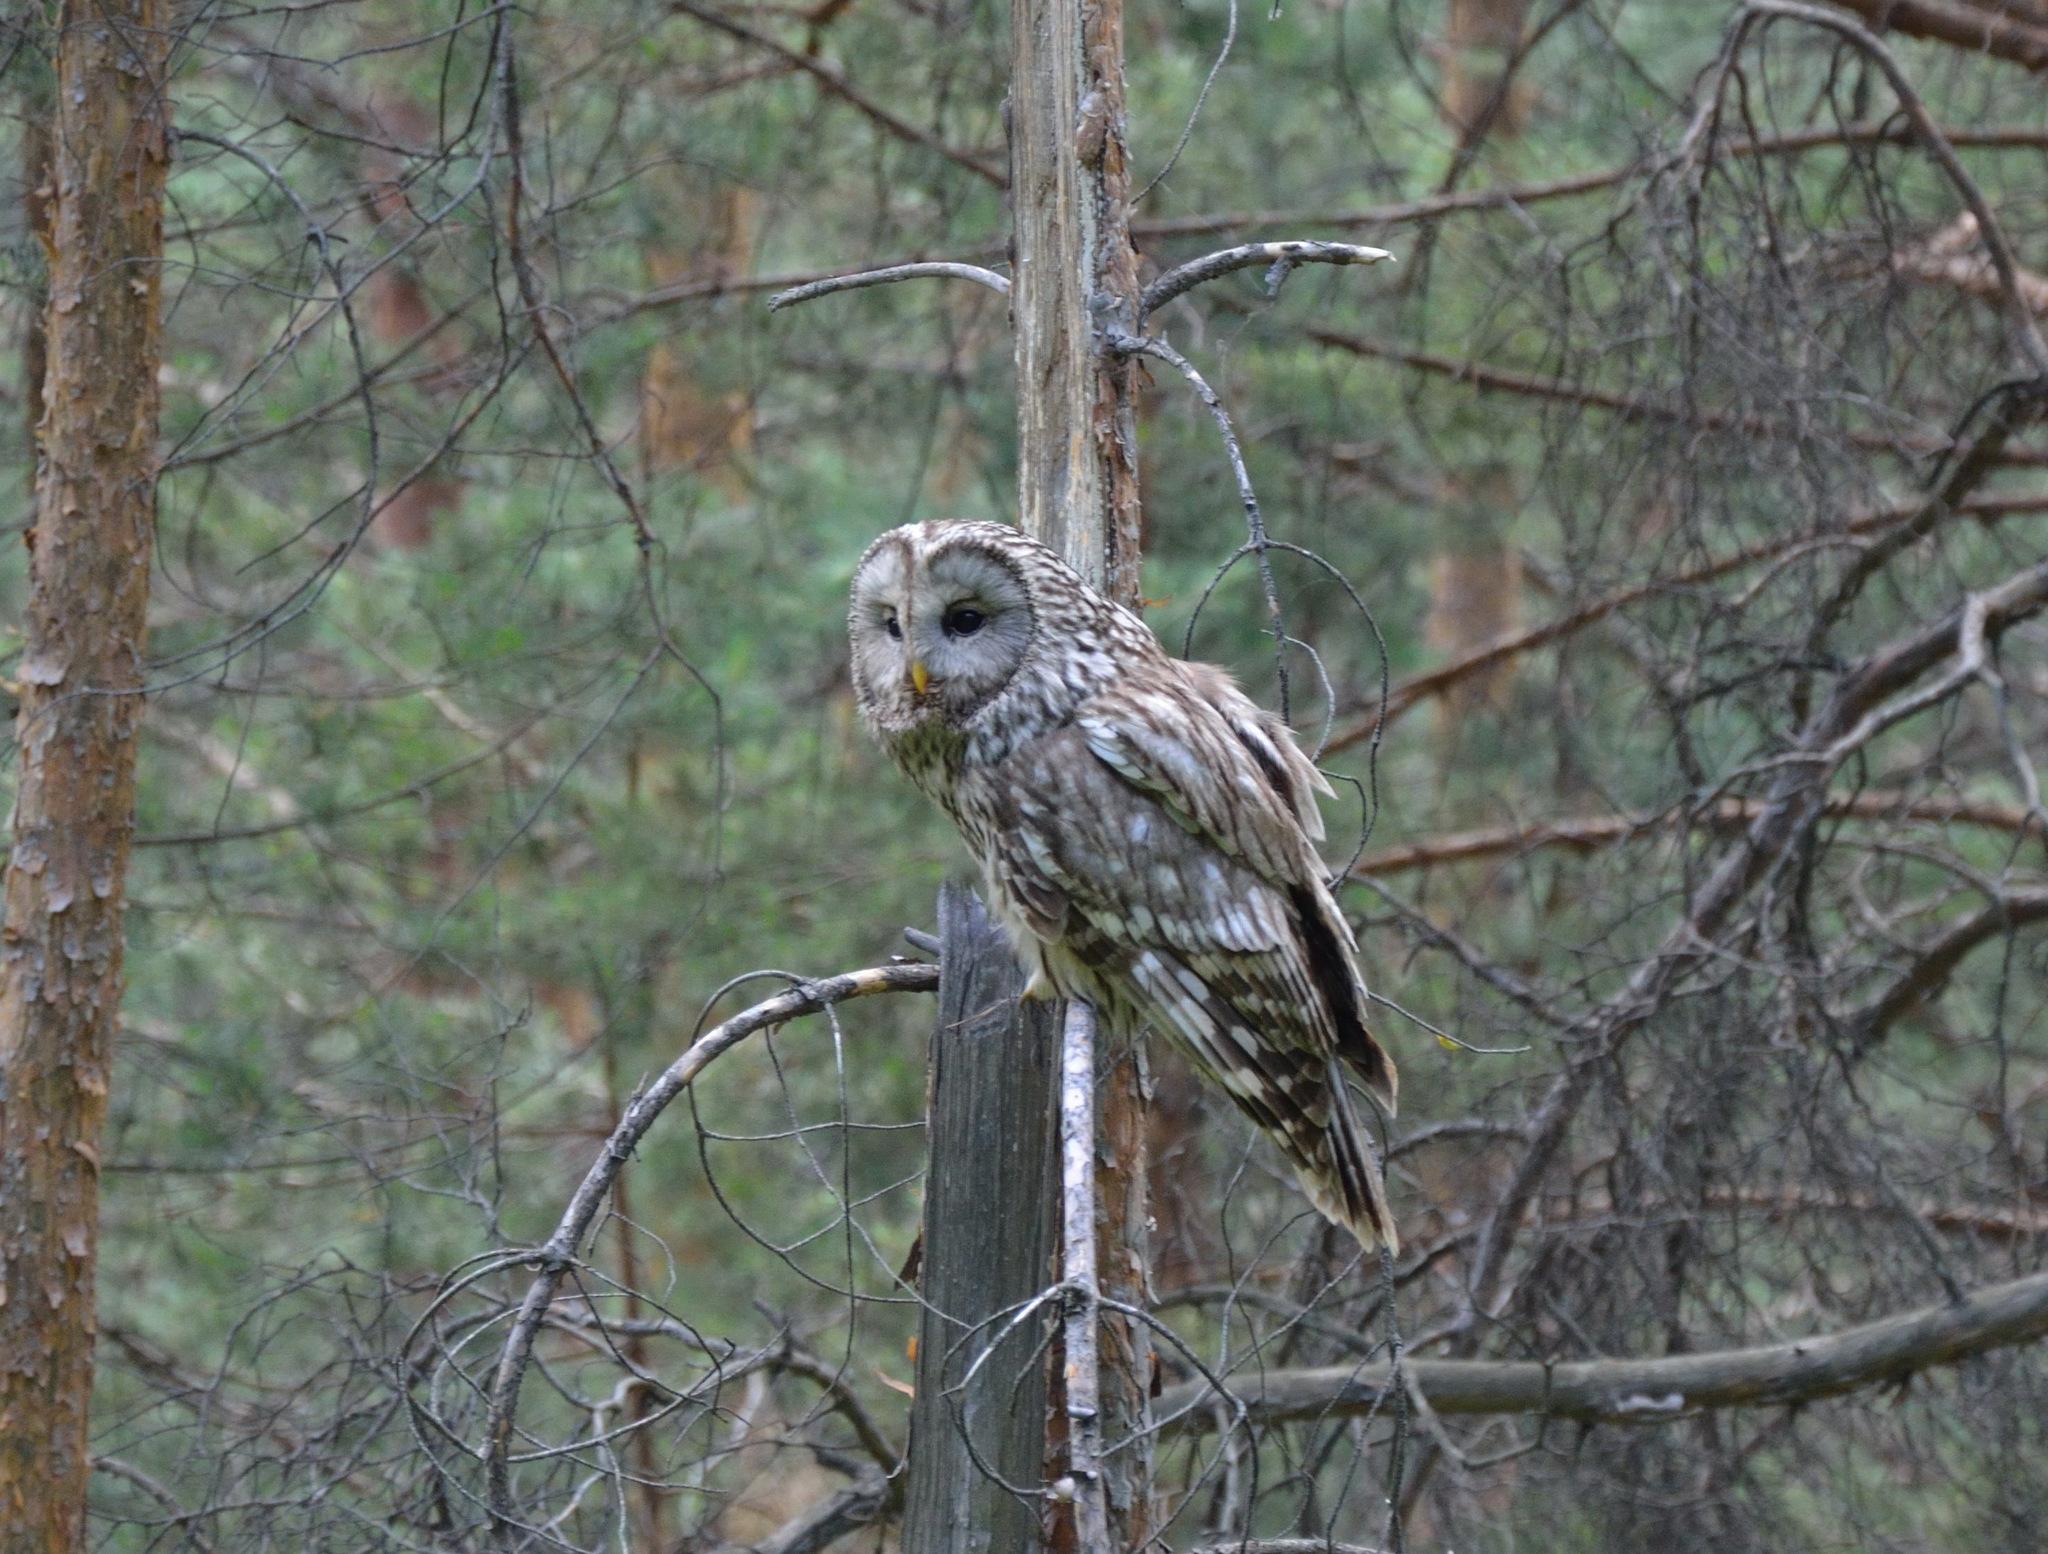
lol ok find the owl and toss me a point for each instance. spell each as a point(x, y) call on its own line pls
point(1146, 831)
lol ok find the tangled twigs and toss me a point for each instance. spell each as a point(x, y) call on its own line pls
point(2026, 333)
point(1870, 698)
point(1128, 344)
point(834, 81)
point(1885, 523)
point(2006, 913)
point(1589, 833)
point(554, 1259)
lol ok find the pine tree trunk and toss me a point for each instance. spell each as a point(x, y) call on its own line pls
point(81, 681)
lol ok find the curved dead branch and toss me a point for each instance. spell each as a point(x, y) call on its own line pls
point(1937, 961)
point(1650, 1391)
point(923, 269)
point(1279, 257)
point(557, 1255)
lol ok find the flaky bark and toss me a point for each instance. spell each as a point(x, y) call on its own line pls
point(81, 684)
point(1077, 476)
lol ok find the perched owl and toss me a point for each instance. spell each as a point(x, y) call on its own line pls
point(1145, 829)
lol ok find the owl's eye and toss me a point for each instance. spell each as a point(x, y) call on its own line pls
point(890, 625)
point(964, 622)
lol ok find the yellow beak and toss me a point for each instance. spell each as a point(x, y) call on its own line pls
point(920, 677)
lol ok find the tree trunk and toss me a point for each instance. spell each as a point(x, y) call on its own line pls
point(81, 703)
point(1074, 271)
point(1077, 491)
point(1077, 456)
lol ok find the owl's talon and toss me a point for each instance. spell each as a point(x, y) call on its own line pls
point(1039, 988)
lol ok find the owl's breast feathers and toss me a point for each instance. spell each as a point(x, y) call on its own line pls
point(1157, 847)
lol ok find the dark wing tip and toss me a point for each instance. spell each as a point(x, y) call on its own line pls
point(1347, 1185)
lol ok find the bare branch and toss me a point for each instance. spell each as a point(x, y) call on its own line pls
point(180, 1518)
point(558, 1254)
point(1855, 712)
point(835, 82)
point(1965, 23)
point(1918, 518)
point(855, 280)
point(1951, 258)
point(799, 1360)
point(1512, 196)
point(1938, 960)
point(1982, 26)
point(1634, 407)
point(860, 1504)
point(1588, 832)
point(1652, 1391)
point(1280, 257)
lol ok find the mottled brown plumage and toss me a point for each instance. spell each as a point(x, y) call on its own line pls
point(1147, 832)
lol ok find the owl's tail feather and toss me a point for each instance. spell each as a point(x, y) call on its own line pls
point(1346, 1184)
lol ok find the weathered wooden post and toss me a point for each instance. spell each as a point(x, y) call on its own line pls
point(979, 1412)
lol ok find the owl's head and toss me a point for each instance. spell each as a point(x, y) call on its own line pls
point(941, 621)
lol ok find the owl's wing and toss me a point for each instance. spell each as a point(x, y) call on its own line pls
point(1231, 775)
point(1161, 926)
point(1223, 768)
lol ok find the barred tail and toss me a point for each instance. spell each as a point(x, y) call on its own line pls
point(1344, 1182)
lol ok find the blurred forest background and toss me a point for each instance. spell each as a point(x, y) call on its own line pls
point(1686, 464)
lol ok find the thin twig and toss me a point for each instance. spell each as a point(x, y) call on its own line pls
point(1589, 832)
point(1514, 196)
point(1187, 130)
point(1485, 377)
point(835, 82)
point(180, 1518)
point(1411, 692)
point(2026, 331)
point(1255, 522)
point(2011, 909)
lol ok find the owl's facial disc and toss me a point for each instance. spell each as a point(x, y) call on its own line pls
point(935, 636)
point(968, 625)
